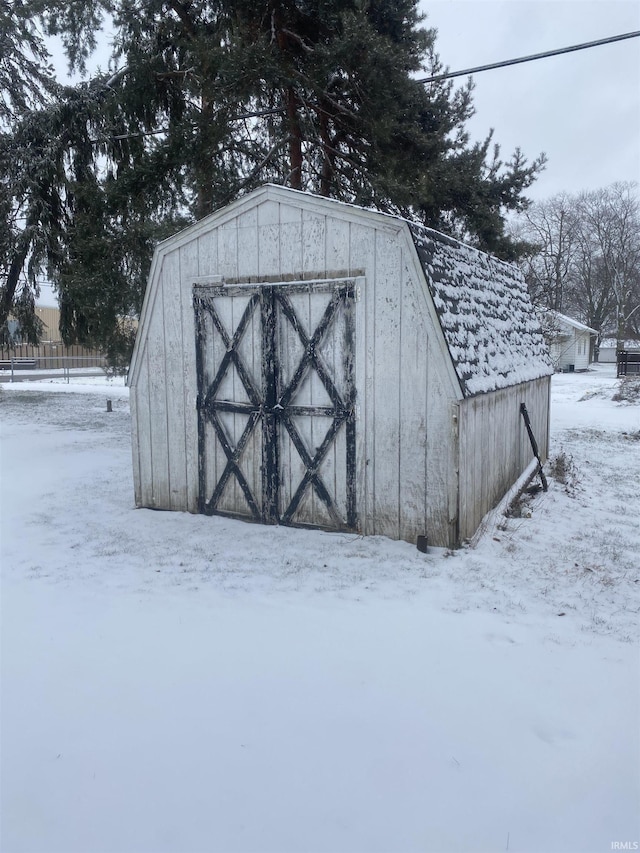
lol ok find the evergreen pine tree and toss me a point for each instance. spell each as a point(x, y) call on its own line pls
point(215, 97)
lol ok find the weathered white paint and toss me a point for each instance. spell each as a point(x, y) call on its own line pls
point(569, 341)
point(608, 354)
point(570, 351)
point(495, 446)
point(414, 430)
point(309, 308)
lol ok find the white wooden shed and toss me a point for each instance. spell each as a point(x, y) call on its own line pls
point(569, 341)
point(307, 362)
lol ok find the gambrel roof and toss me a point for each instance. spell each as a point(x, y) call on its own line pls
point(488, 323)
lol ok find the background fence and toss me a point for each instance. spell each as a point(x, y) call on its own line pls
point(628, 363)
point(50, 356)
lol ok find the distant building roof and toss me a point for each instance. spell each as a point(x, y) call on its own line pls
point(569, 321)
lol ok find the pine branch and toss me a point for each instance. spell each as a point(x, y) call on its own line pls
point(181, 10)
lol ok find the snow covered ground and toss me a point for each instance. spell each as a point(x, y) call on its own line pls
point(174, 683)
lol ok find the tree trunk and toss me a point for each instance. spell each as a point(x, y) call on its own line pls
point(204, 190)
point(328, 155)
point(13, 276)
point(295, 140)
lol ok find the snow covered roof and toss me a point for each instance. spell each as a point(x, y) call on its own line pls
point(569, 321)
point(485, 312)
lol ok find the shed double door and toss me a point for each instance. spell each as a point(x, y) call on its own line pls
point(276, 402)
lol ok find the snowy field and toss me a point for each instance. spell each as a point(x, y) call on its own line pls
point(174, 683)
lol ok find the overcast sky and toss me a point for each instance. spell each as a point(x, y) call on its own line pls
point(582, 108)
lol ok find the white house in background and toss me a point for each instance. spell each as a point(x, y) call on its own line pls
point(305, 362)
point(607, 352)
point(569, 341)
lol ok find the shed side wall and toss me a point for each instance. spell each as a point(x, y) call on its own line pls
point(495, 447)
point(163, 396)
point(441, 497)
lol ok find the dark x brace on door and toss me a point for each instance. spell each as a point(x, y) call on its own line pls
point(276, 402)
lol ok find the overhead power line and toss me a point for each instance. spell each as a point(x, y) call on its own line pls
point(447, 75)
point(433, 79)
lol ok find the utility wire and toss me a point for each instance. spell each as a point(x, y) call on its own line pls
point(433, 79)
point(446, 76)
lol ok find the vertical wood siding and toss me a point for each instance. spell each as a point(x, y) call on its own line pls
point(230, 311)
point(362, 256)
point(573, 350)
point(136, 439)
point(387, 375)
point(174, 382)
point(406, 434)
point(158, 409)
point(441, 495)
point(582, 349)
point(494, 445)
point(333, 351)
point(401, 433)
point(191, 265)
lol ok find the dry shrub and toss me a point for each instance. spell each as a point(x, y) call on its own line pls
point(563, 470)
point(628, 390)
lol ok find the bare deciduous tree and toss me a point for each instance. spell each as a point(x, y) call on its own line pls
point(610, 224)
point(550, 226)
point(585, 256)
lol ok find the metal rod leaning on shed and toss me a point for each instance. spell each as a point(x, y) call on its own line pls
point(534, 445)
